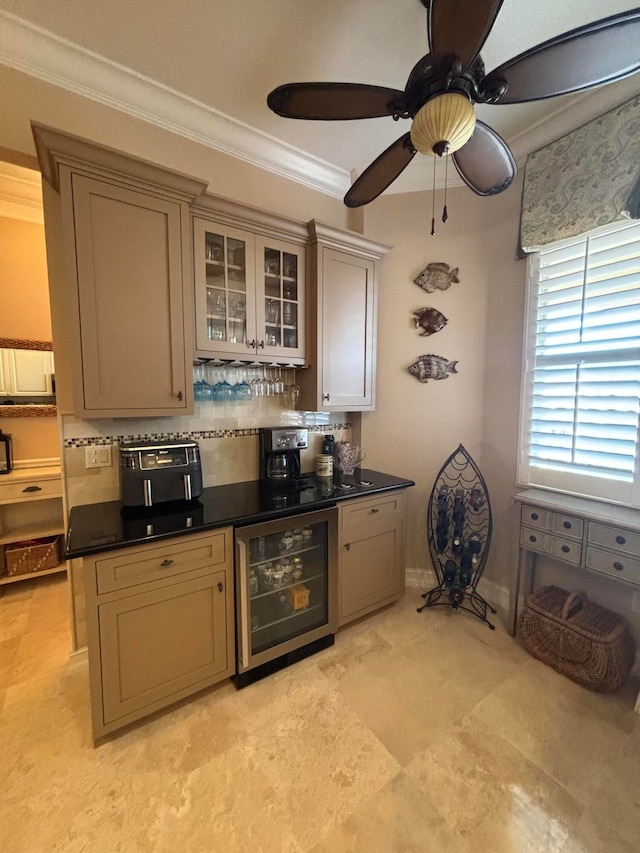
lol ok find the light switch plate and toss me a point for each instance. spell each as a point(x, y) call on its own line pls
point(98, 457)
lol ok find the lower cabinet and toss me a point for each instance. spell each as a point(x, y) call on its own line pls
point(163, 628)
point(371, 568)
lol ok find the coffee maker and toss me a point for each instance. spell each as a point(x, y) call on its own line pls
point(280, 455)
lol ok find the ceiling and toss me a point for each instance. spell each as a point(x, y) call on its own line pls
point(224, 57)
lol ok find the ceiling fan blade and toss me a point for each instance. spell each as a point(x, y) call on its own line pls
point(485, 163)
point(382, 172)
point(460, 27)
point(588, 56)
point(333, 101)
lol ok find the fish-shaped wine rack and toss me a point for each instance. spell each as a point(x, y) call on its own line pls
point(459, 527)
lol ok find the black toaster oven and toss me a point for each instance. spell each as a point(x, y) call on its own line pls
point(153, 472)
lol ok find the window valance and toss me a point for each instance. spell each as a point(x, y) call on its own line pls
point(588, 178)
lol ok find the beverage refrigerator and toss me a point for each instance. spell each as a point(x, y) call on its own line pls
point(286, 590)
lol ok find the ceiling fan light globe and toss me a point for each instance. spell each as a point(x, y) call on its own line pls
point(444, 124)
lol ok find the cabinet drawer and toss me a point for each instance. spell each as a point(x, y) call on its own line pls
point(564, 549)
point(368, 510)
point(614, 537)
point(614, 564)
point(567, 525)
point(30, 490)
point(533, 516)
point(130, 569)
point(533, 539)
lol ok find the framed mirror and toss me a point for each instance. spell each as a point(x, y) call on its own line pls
point(27, 378)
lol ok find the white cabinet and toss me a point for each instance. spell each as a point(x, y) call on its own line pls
point(341, 332)
point(26, 373)
point(249, 295)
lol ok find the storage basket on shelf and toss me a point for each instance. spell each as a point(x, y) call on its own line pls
point(33, 555)
point(580, 639)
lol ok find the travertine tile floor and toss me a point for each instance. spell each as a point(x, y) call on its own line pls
point(415, 732)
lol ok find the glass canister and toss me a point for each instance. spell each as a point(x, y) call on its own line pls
point(324, 465)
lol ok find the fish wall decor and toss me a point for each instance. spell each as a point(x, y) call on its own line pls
point(437, 276)
point(429, 320)
point(432, 367)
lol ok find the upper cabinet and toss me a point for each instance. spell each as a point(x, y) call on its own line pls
point(118, 251)
point(341, 333)
point(249, 290)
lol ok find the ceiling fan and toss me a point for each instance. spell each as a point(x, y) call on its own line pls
point(445, 84)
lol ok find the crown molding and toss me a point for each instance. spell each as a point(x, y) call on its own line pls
point(20, 194)
point(41, 54)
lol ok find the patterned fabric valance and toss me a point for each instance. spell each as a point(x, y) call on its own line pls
point(588, 178)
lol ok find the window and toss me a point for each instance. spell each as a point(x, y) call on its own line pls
point(580, 425)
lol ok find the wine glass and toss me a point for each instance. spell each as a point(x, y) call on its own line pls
point(222, 390)
point(294, 391)
point(242, 389)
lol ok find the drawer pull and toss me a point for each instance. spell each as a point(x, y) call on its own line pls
point(618, 567)
point(565, 549)
point(375, 509)
point(533, 538)
point(534, 516)
point(166, 563)
point(567, 525)
point(621, 540)
point(220, 587)
point(33, 489)
point(347, 546)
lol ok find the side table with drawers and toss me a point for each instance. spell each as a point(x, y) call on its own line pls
point(590, 535)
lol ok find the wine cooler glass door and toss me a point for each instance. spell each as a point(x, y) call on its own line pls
point(287, 585)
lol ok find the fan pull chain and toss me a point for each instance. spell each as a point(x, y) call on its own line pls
point(445, 215)
point(433, 200)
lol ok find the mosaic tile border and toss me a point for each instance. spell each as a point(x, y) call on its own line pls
point(195, 435)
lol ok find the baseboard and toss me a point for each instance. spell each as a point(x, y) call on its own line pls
point(495, 593)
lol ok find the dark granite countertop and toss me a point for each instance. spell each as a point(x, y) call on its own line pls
point(94, 528)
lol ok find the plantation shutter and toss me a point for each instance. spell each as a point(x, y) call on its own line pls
point(582, 394)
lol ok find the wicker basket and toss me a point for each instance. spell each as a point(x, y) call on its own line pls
point(34, 555)
point(582, 640)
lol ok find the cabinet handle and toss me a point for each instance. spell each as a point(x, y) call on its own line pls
point(220, 587)
point(348, 546)
point(621, 540)
point(179, 395)
point(32, 489)
point(326, 396)
point(533, 539)
point(618, 567)
point(166, 563)
point(375, 509)
point(534, 516)
point(567, 525)
point(566, 549)
point(252, 344)
point(261, 345)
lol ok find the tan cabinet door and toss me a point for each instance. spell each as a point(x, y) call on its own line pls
point(163, 643)
point(280, 299)
point(370, 571)
point(131, 299)
point(348, 329)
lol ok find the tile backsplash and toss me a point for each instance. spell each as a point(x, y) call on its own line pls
point(226, 433)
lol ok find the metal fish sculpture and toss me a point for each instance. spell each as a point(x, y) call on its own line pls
point(429, 320)
point(432, 367)
point(437, 276)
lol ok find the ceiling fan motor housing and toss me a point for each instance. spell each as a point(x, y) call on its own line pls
point(444, 124)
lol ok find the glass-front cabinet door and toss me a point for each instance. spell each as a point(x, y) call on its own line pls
point(280, 311)
point(249, 295)
point(286, 585)
point(225, 289)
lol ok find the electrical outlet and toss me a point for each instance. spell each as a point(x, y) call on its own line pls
point(635, 602)
point(98, 457)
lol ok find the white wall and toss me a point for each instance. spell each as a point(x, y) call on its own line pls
point(416, 426)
